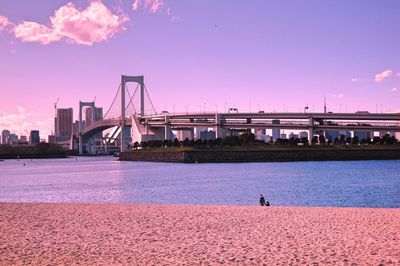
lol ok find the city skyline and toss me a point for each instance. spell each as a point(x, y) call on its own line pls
point(258, 56)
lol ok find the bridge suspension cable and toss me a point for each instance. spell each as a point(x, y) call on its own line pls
point(131, 97)
point(119, 88)
point(148, 96)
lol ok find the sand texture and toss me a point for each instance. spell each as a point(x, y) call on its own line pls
point(70, 234)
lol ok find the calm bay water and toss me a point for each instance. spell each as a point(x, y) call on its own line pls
point(106, 180)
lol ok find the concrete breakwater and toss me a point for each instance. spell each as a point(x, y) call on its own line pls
point(223, 156)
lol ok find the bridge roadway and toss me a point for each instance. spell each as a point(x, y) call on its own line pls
point(240, 121)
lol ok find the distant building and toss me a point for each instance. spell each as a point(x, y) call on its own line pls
point(34, 137)
point(21, 142)
point(64, 122)
point(4, 136)
point(12, 139)
point(183, 134)
point(283, 136)
point(332, 134)
point(56, 139)
point(383, 133)
point(207, 135)
point(75, 127)
point(268, 138)
point(51, 139)
point(345, 133)
point(260, 134)
point(363, 135)
point(276, 132)
point(303, 134)
point(198, 130)
point(98, 115)
point(293, 135)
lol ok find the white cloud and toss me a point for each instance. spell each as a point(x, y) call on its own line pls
point(339, 96)
point(19, 120)
point(35, 32)
point(355, 79)
point(4, 22)
point(383, 75)
point(394, 89)
point(96, 23)
point(153, 5)
point(15, 120)
point(172, 17)
point(156, 6)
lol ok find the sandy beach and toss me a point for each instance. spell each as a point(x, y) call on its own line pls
point(51, 234)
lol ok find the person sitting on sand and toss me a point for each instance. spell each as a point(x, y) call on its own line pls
point(262, 200)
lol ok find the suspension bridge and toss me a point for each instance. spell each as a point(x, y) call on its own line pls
point(147, 124)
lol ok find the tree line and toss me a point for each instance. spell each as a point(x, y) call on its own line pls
point(248, 138)
point(42, 148)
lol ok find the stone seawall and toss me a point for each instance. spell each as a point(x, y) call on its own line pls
point(212, 156)
point(152, 156)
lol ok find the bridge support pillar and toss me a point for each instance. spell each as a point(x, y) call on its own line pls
point(81, 105)
point(310, 130)
point(80, 145)
point(167, 128)
point(218, 128)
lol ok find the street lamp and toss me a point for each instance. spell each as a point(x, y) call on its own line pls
point(305, 109)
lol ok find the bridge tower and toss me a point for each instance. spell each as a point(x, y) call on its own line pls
point(124, 80)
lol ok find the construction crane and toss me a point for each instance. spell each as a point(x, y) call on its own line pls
point(55, 107)
point(55, 114)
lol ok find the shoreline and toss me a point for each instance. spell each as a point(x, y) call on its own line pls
point(261, 155)
point(59, 233)
point(31, 156)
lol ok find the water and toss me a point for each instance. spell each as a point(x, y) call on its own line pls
point(106, 180)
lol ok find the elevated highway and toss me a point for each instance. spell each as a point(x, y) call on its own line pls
point(295, 121)
point(243, 121)
point(160, 126)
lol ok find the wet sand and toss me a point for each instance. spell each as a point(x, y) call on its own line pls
point(43, 234)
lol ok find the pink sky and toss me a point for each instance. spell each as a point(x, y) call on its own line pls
point(258, 55)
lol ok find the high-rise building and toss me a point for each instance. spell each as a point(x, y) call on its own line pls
point(64, 122)
point(276, 132)
point(34, 137)
point(98, 115)
point(4, 136)
point(75, 127)
point(12, 138)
